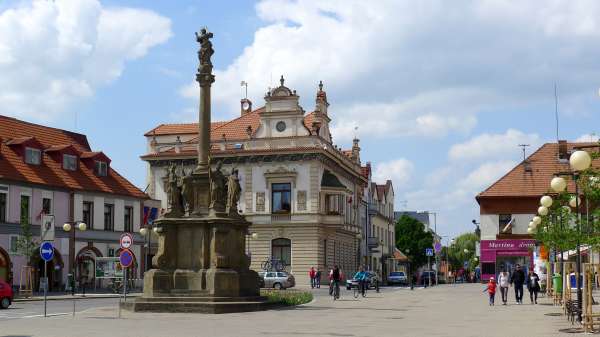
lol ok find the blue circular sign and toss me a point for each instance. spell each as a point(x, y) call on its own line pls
point(126, 258)
point(46, 251)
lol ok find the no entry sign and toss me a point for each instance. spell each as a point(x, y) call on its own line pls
point(126, 258)
point(126, 240)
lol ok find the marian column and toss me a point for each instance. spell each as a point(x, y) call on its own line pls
point(205, 78)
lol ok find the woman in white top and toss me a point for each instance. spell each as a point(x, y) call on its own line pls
point(504, 282)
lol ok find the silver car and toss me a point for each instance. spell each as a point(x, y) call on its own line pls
point(277, 280)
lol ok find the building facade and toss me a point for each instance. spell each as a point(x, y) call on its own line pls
point(509, 204)
point(303, 195)
point(52, 173)
point(382, 234)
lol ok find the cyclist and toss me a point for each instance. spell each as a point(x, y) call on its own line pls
point(336, 277)
point(361, 277)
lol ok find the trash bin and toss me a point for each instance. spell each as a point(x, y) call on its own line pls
point(557, 283)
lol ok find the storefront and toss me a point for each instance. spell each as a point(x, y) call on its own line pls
point(504, 255)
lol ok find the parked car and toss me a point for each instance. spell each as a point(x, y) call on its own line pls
point(397, 277)
point(372, 281)
point(277, 280)
point(425, 276)
point(6, 295)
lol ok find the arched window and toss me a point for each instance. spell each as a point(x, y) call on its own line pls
point(282, 249)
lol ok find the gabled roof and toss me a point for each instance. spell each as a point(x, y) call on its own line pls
point(531, 177)
point(97, 155)
point(50, 173)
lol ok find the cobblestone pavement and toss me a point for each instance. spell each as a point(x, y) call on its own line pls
point(446, 310)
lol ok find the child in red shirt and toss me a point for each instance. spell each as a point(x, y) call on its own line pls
point(491, 289)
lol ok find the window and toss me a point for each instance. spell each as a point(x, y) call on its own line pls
point(25, 209)
point(12, 249)
point(334, 204)
point(503, 221)
point(47, 205)
point(109, 217)
point(88, 214)
point(128, 223)
point(282, 249)
point(281, 202)
point(33, 156)
point(111, 252)
point(101, 168)
point(3, 206)
point(69, 162)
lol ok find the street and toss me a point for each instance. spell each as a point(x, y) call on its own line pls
point(31, 309)
point(446, 310)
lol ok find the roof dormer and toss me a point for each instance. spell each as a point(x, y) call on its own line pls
point(66, 154)
point(96, 161)
point(29, 148)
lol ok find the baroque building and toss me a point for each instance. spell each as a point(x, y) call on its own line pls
point(303, 195)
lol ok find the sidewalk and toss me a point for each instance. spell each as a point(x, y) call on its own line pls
point(78, 296)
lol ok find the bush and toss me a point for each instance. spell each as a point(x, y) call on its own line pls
point(286, 297)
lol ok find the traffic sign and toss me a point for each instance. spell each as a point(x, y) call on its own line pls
point(47, 228)
point(46, 251)
point(126, 240)
point(437, 247)
point(466, 264)
point(126, 258)
point(429, 251)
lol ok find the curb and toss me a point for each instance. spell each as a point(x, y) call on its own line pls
point(78, 297)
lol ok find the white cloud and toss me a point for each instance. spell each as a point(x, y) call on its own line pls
point(423, 70)
point(53, 53)
point(486, 146)
point(590, 137)
point(398, 170)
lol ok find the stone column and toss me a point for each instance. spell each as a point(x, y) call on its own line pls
point(205, 78)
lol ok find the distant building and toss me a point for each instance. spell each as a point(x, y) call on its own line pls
point(304, 196)
point(509, 204)
point(52, 172)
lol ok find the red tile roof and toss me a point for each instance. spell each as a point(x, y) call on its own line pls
point(50, 172)
point(535, 181)
point(366, 170)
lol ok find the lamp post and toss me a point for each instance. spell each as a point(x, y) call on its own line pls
point(252, 236)
point(71, 227)
point(477, 229)
point(146, 232)
point(579, 161)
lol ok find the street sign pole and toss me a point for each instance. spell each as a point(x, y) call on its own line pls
point(45, 286)
point(125, 284)
point(429, 265)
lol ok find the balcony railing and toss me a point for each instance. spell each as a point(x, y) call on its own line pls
point(281, 217)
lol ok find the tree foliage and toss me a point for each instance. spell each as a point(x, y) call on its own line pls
point(26, 243)
point(412, 239)
point(456, 252)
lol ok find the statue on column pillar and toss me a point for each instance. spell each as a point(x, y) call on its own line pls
point(233, 193)
point(217, 190)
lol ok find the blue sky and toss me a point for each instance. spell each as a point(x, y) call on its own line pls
point(442, 92)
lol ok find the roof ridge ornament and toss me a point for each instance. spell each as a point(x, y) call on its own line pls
point(281, 80)
point(320, 85)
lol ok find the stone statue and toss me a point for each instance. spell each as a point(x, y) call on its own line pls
point(233, 192)
point(187, 192)
point(217, 189)
point(205, 52)
point(174, 193)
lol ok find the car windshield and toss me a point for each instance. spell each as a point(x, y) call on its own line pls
point(396, 273)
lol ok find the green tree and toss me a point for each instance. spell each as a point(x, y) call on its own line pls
point(463, 249)
point(26, 244)
point(412, 239)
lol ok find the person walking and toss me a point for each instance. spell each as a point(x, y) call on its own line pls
point(504, 282)
point(533, 285)
point(518, 279)
point(318, 278)
point(312, 273)
point(491, 290)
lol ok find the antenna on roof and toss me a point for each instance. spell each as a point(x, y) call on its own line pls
point(556, 110)
point(524, 146)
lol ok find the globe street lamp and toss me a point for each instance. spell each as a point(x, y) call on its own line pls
point(71, 227)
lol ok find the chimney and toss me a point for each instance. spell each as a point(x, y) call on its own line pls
point(245, 106)
point(563, 151)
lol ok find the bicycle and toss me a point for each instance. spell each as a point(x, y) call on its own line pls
point(336, 290)
point(271, 264)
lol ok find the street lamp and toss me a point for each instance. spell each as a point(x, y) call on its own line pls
point(70, 227)
point(146, 232)
point(579, 161)
point(477, 229)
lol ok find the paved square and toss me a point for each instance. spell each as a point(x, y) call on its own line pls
point(447, 310)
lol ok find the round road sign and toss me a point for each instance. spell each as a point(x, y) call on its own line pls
point(46, 251)
point(126, 240)
point(126, 258)
point(437, 247)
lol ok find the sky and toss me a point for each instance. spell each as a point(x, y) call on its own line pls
point(442, 92)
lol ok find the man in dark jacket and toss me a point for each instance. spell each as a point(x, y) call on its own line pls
point(518, 279)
